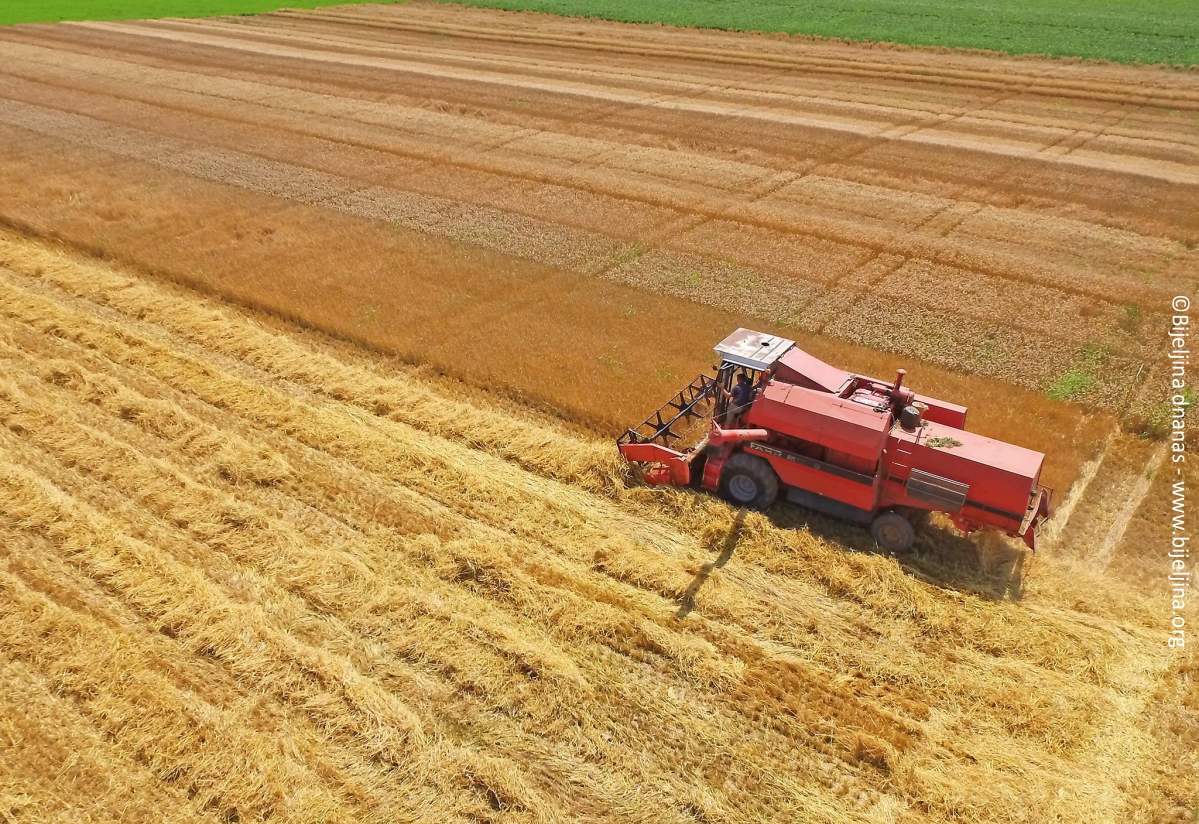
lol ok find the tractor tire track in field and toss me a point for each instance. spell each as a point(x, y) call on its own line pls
point(400, 604)
point(1136, 496)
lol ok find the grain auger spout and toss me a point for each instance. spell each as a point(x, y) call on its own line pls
point(776, 420)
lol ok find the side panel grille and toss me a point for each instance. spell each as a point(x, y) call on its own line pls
point(937, 491)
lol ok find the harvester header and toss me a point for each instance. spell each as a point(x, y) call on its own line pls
point(847, 445)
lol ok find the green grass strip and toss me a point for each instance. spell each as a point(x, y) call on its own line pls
point(54, 11)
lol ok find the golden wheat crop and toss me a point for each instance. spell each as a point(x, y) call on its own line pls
point(249, 574)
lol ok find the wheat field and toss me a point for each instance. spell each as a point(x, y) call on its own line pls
point(248, 573)
point(315, 329)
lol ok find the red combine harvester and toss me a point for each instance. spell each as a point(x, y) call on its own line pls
point(849, 446)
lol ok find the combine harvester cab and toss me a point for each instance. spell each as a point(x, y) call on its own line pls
point(846, 445)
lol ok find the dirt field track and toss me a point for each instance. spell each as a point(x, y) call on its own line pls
point(246, 575)
point(253, 571)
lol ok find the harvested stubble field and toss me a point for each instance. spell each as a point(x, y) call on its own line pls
point(247, 573)
point(252, 572)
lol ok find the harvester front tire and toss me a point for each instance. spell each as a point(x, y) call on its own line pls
point(749, 481)
point(893, 532)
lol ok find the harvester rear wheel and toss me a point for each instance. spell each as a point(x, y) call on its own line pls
point(749, 481)
point(893, 532)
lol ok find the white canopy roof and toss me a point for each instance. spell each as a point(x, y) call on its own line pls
point(753, 350)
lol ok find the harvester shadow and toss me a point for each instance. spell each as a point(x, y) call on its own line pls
point(726, 552)
point(942, 557)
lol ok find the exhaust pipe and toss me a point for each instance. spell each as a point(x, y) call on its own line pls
point(901, 396)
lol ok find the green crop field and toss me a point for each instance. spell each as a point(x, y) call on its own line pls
point(1128, 31)
point(43, 11)
point(1131, 31)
